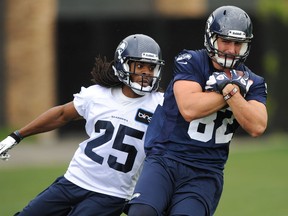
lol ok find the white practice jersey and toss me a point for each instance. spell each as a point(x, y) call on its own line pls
point(110, 161)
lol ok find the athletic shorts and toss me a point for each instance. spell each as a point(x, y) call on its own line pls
point(174, 188)
point(64, 198)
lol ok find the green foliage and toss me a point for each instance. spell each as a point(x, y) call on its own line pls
point(255, 180)
point(271, 63)
point(277, 8)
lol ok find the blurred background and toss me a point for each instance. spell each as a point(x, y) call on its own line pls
point(48, 47)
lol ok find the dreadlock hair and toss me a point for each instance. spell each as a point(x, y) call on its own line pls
point(103, 73)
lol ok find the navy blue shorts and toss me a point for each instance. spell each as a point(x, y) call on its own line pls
point(174, 188)
point(64, 198)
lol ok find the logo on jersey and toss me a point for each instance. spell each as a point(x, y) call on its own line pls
point(135, 195)
point(182, 59)
point(143, 116)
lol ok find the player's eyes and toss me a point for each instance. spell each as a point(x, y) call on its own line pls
point(139, 65)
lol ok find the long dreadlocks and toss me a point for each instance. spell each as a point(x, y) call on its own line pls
point(103, 73)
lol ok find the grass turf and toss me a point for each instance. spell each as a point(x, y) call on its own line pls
point(256, 180)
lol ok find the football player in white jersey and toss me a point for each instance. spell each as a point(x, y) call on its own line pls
point(117, 109)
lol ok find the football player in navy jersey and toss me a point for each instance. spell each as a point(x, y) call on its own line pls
point(117, 109)
point(211, 94)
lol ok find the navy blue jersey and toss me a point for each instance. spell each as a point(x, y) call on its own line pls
point(202, 143)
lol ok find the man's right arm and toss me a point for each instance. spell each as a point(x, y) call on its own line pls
point(193, 103)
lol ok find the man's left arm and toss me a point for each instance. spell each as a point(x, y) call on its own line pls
point(251, 115)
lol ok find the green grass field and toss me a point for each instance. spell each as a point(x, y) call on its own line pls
point(256, 180)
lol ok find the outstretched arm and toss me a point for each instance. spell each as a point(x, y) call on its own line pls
point(50, 120)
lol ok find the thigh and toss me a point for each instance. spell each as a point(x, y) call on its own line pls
point(142, 210)
point(52, 201)
point(97, 204)
point(155, 184)
point(197, 192)
point(190, 206)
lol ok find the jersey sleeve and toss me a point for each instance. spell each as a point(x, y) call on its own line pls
point(187, 66)
point(258, 90)
point(81, 100)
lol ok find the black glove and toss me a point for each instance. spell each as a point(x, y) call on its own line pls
point(217, 82)
point(241, 81)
